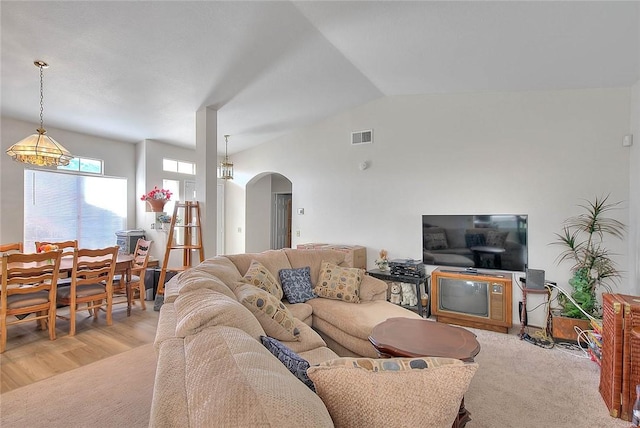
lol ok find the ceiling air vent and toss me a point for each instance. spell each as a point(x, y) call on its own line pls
point(362, 137)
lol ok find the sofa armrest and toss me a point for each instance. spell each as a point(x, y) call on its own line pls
point(372, 289)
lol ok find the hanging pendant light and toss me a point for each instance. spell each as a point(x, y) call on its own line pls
point(40, 149)
point(225, 170)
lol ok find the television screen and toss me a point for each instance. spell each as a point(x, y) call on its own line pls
point(488, 241)
point(467, 297)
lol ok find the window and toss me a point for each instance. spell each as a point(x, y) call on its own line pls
point(92, 166)
point(182, 167)
point(174, 187)
point(60, 206)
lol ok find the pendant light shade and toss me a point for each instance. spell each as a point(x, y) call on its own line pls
point(225, 171)
point(40, 149)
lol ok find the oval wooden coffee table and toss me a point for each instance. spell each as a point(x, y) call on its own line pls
point(408, 337)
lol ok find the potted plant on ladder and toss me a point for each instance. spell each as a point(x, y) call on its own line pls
point(583, 240)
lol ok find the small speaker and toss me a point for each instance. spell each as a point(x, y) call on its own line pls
point(535, 279)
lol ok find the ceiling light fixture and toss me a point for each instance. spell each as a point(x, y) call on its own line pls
point(39, 149)
point(226, 168)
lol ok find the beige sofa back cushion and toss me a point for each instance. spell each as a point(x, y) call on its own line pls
point(194, 279)
point(314, 259)
point(222, 268)
point(204, 308)
point(256, 390)
point(273, 260)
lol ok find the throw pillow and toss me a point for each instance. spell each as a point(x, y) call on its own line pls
point(440, 382)
point(339, 283)
point(296, 284)
point(435, 241)
point(274, 317)
point(292, 361)
point(496, 239)
point(260, 276)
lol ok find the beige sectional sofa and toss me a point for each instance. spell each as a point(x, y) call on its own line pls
point(213, 369)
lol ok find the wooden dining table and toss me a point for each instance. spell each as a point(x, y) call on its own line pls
point(124, 262)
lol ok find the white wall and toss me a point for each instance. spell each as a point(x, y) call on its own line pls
point(150, 173)
point(634, 194)
point(119, 161)
point(258, 225)
point(538, 153)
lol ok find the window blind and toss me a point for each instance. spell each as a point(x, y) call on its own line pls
point(59, 206)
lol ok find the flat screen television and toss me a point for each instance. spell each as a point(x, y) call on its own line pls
point(486, 241)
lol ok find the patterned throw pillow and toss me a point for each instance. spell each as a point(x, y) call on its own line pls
point(396, 382)
point(339, 283)
point(296, 284)
point(260, 276)
point(435, 241)
point(292, 361)
point(496, 239)
point(274, 317)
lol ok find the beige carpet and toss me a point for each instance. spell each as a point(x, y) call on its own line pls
point(522, 385)
point(518, 385)
point(114, 392)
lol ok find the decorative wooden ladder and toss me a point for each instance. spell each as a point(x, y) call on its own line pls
point(190, 241)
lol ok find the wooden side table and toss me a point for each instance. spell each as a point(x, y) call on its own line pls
point(417, 281)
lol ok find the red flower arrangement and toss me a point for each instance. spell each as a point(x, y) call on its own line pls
point(156, 194)
point(45, 248)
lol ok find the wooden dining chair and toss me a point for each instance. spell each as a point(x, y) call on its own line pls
point(14, 247)
point(67, 248)
point(91, 283)
point(136, 279)
point(29, 287)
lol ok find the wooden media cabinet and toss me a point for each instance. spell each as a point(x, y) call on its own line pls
point(473, 299)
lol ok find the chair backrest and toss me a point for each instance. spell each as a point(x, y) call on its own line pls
point(141, 254)
point(13, 247)
point(94, 266)
point(24, 273)
point(67, 247)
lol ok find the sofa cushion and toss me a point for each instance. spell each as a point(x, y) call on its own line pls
point(260, 276)
point(273, 260)
point(307, 339)
point(296, 284)
point(314, 259)
point(220, 267)
point(372, 289)
point(273, 315)
point(301, 311)
point(232, 380)
point(203, 308)
point(439, 382)
point(435, 241)
point(318, 355)
point(339, 283)
point(195, 279)
point(293, 362)
point(495, 238)
point(350, 325)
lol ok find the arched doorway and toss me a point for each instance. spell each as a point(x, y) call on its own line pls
point(268, 212)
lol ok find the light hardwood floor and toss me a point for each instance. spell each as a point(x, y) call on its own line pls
point(30, 355)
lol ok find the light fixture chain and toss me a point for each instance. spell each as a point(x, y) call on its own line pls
point(41, 98)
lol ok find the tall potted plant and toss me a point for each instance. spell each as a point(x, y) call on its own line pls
point(583, 239)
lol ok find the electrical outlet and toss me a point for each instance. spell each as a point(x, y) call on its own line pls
point(298, 233)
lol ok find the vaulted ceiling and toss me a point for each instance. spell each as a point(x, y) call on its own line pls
point(139, 70)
